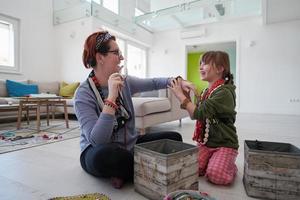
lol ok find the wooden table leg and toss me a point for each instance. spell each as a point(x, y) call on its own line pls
point(19, 115)
point(53, 111)
point(38, 117)
point(27, 114)
point(66, 114)
point(47, 110)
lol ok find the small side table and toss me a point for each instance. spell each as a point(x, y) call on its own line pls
point(38, 102)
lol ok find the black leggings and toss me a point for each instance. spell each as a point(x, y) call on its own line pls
point(111, 160)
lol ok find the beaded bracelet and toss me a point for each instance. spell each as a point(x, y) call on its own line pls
point(185, 103)
point(110, 104)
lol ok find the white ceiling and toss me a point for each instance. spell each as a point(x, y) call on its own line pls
point(280, 11)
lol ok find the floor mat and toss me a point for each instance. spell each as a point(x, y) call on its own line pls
point(94, 196)
point(188, 194)
point(12, 139)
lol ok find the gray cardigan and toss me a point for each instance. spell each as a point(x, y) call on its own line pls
point(96, 127)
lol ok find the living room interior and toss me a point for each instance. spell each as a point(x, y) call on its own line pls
point(158, 38)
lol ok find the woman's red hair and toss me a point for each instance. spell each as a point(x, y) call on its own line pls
point(89, 50)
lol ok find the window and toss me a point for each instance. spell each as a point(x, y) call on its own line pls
point(5, 51)
point(136, 61)
point(138, 12)
point(112, 5)
point(135, 57)
point(121, 44)
point(9, 48)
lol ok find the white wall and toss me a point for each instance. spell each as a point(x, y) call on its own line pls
point(69, 40)
point(36, 39)
point(268, 72)
point(126, 9)
point(280, 11)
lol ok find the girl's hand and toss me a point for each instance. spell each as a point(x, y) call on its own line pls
point(115, 85)
point(177, 89)
point(188, 86)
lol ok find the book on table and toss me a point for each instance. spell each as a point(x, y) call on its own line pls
point(43, 95)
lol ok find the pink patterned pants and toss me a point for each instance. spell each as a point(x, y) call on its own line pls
point(217, 164)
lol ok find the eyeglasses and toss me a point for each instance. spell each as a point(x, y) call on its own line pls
point(116, 52)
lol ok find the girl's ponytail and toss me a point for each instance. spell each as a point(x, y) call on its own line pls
point(229, 79)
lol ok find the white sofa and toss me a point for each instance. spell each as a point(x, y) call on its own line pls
point(163, 107)
point(149, 111)
point(44, 87)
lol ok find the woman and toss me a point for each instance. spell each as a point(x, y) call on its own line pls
point(215, 131)
point(104, 109)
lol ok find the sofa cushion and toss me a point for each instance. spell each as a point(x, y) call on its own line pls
point(12, 100)
point(70, 102)
point(18, 89)
point(153, 93)
point(47, 87)
point(68, 90)
point(3, 91)
point(149, 105)
point(3, 101)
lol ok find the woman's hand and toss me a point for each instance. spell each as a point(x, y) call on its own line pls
point(115, 85)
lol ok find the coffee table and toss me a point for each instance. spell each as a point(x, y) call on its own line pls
point(25, 102)
point(15, 107)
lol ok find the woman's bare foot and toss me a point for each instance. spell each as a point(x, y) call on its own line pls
point(116, 182)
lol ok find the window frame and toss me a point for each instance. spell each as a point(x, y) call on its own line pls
point(16, 69)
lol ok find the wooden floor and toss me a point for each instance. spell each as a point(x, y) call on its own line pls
point(54, 170)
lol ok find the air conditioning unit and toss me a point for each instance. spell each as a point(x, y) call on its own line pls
point(193, 33)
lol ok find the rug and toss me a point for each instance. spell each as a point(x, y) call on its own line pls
point(188, 195)
point(12, 139)
point(94, 196)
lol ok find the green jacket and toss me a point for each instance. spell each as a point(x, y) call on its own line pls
point(220, 109)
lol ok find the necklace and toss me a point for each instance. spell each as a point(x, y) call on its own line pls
point(200, 123)
point(98, 86)
point(122, 114)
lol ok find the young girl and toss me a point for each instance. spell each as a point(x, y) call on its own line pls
point(215, 132)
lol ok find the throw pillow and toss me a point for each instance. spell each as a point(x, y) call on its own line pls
point(68, 90)
point(17, 89)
